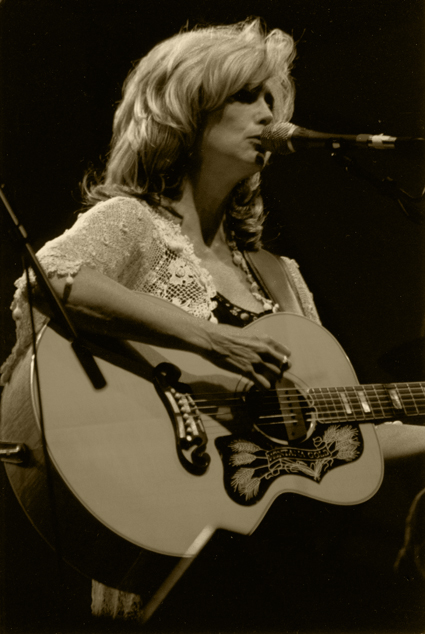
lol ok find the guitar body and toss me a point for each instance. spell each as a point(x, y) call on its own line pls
point(125, 496)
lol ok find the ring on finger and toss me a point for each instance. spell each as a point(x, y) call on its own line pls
point(284, 361)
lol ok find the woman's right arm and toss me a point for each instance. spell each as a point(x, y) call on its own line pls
point(101, 305)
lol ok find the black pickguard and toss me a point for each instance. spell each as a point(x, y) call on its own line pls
point(252, 461)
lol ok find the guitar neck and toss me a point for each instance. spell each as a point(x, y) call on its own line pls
point(369, 402)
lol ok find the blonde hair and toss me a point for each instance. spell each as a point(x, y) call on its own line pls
point(167, 96)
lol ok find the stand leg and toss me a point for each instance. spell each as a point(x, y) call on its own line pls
point(184, 563)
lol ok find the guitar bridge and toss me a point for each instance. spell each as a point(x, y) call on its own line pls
point(191, 439)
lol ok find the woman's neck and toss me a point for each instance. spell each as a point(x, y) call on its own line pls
point(202, 206)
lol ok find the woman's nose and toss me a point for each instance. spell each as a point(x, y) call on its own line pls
point(265, 113)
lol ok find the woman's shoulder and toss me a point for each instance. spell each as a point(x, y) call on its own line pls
point(125, 213)
point(290, 263)
point(120, 205)
point(131, 208)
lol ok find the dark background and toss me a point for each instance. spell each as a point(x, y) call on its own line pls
point(360, 68)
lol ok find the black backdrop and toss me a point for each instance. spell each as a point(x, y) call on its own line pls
point(360, 68)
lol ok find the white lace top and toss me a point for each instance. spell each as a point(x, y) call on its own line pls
point(138, 246)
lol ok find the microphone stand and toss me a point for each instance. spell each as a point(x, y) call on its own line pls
point(84, 356)
point(411, 206)
point(17, 452)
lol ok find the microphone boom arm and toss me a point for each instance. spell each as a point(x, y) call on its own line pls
point(411, 206)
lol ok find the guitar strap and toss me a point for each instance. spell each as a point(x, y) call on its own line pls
point(272, 274)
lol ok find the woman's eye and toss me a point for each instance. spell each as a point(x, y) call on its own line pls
point(269, 99)
point(250, 95)
point(245, 95)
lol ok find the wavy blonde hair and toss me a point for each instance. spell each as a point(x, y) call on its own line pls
point(166, 98)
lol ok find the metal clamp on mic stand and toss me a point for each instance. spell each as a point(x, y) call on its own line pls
point(411, 206)
point(14, 452)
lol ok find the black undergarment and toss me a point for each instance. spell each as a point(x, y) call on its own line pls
point(228, 313)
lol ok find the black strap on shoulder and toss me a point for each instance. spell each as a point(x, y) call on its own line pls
point(272, 274)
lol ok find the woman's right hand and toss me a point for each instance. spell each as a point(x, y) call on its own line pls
point(101, 305)
point(259, 358)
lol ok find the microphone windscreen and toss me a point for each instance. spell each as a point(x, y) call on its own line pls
point(275, 137)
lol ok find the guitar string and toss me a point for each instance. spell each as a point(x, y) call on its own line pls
point(381, 396)
point(334, 412)
point(361, 388)
point(293, 396)
point(356, 408)
point(331, 410)
point(284, 416)
point(215, 429)
point(286, 405)
point(210, 420)
point(211, 425)
point(328, 408)
point(369, 386)
point(369, 389)
point(333, 399)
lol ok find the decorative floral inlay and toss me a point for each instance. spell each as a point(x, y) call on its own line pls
point(256, 465)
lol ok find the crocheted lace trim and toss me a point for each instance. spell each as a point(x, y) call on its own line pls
point(305, 295)
point(138, 246)
point(130, 242)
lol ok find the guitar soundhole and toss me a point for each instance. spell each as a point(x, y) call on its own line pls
point(283, 414)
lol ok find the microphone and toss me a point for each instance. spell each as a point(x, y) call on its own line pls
point(285, 138)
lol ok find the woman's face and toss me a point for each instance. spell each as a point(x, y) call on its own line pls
point(231, 139)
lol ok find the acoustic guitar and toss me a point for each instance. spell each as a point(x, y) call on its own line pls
point(174, 445)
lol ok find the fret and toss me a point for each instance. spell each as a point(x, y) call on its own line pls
point(355, 400)
point(415, 409)
point(395, 398)
point(332, 404)
point(421, 387)
point(418, 390)
point(368, 402)
point(376, 402)
point(383, 403)
point(345, 403)
point(336, 409)
point(418, 394)
point(321, 404)
point(364, 401)
point(336, 404)
point(406, 396)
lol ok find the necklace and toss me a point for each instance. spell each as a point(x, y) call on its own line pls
point(239, 260)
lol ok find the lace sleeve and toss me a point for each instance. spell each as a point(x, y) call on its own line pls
point(305, 296)
point(112, 237)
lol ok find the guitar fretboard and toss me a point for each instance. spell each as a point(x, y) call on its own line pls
point(369, 402)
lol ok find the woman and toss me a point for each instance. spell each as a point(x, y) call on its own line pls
point(178, 204)
point(179, 198)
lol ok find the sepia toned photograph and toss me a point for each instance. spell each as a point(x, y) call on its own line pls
point(212, 317)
